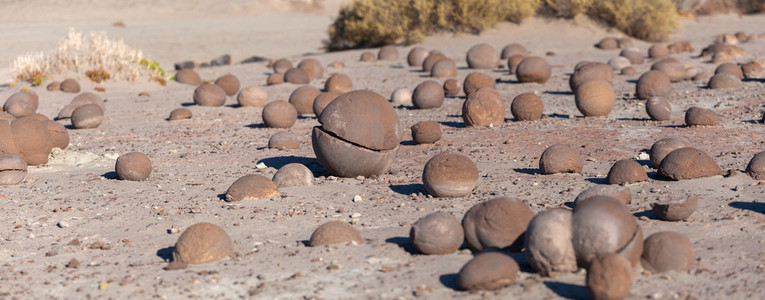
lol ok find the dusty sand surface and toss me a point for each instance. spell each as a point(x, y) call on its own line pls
point(121, 232)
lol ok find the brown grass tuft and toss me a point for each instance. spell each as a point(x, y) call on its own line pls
point(651, 20)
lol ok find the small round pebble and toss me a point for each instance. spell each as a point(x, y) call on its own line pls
point(497, 223)
point(449, 174)
point(180, 114)
point(388, 52)
point(560, 159)
point(426, 132)
point(658, 108)
point(335, 232)
point(451, 88)
point(188, 76)
point(756, 166)
point(609, 277)
point(401, 97)
point(297, 76)
point(445, 68)
point(302, 98)
point(252, 96)
point(696, 116)
point(87, 116)
point(229, 83)
point(688, 163)
point(275, 79)
point(281, 65)
point(428, 95)
point(533, 69)
point(416, 56)
point(209, 94)
point(70, 85)
point(202, 243)
point(279, 114)
point(338, 83)
point(284, 140)
point(626, 171)
point(664, 146)
point(668, 250)
point(322, 100)
point(252, 187)
point(482, 56)
point(367, 57)
point(527, 107)
point(548, 243)
point(437, 233)
point(477, 80)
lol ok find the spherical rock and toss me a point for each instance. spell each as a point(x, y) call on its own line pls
point(609, 43)
point(401, 97)
point(696, 116)
point(533, 69)
point(302, 98)
point(87, 116)
point(13, 170)
point(133, 166)
point(335, 232)
point(618, 63)
point(487, 271)
point(629, 71)
point(427, 95)
point(451, 88)
point(21, 104)
point(58, 134)
point(322, 100)
point(432, 58)
point(724, 81)
point(312, 67)
point(653, 83)
point(634, 56)
point(482, 56)
point(449, 174)
point(513, 62)
point(180, 114)
point(279, 114)
point(252, 96)
point(70, 85)
point(730, 69)
point(588, 71)
point(609, 276)
point(483, 107)
point(367, 56)
point(437, 233)
point(658, 108)
point(229, 83)
point(560, 159)
point(620, 193)
point(658, 51)
point(360, 134)
point(274, 79)
point(672, 67)
point(416, 56)
point(281, 65)
point(188, 76)
point(53, 86)
point(595, 98)
point(513, 49)
point(756, 166)
point(676, 210)
point(293, 174)
point(252, 187)
point(668, 250)
point(626, 171)
point(688, 163)
point(601, 225)
point(7, 142)
point(80, 100)
point(202, 243)
point(4, 116)
point(527, 107)
point(426, 132)
point(751, 70)
point(283, 140)
point(209, 94)
point(444, 68)
point(388, 52)
point(338, 83)
point(497, 223)
point(475, 81)
point(297, 76)
point(664, 146)
point(548, 243)
point(32, 140)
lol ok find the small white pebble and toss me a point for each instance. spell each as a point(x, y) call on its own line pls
point(62, 224)
point(357, 198)
point(260, 166)
point(356, 215)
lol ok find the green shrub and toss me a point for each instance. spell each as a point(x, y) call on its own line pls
point(651, 20)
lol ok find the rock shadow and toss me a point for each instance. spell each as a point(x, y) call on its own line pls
point(530, 171)
point(567, 290)
point(449, 280)
point(453, 124)
point(753, 206)
point(408, 189)
point(565, 93)
point(110, 175)
point(597, 180)
point(166, 253)
point(404, 243)
point(647, 213)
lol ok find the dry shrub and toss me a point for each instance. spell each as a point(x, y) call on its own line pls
point(78, 52)
point(370, 23)
point(711, 7)
point(651, 20)
point(567, 8)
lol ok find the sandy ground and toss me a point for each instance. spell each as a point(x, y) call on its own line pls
point(121, 231)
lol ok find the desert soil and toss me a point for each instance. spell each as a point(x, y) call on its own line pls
point(122, 232)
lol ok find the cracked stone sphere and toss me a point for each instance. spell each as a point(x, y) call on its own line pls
point(483, 108)
point(13, 170)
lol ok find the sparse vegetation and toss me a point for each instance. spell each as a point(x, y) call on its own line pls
point(370, 23)
point(104, 58)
